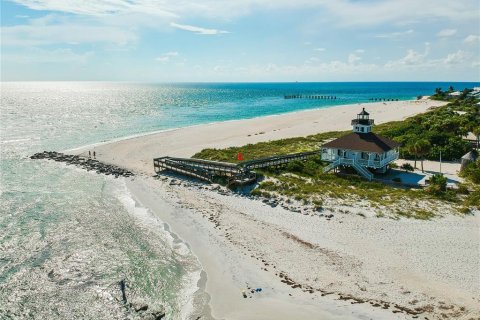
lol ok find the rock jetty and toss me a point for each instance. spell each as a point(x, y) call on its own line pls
point(85, 163)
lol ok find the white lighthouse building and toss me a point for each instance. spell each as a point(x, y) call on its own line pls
point(362, 149)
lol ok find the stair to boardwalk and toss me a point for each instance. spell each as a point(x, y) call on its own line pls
point(331, 166)
point(363, 171)
point(360, 169)
point(187, 169)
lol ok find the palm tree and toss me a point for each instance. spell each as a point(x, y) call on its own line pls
point(451, 89)
point(438, 91)
point(412, 150)
point(422, 147)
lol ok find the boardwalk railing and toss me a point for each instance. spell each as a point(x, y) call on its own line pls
point(240, 173)
point(277, 160)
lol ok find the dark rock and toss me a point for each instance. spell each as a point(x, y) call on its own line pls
point(139, 306)
point(158, 313)
point(87, 164)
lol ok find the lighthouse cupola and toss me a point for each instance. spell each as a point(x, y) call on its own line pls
point(363, 123)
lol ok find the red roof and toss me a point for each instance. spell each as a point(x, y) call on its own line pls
point(368, 142)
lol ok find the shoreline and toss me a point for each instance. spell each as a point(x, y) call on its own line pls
point(230, 269)
point(225, 299)
point(316, 109)
point(137, 153)
point(240, 242)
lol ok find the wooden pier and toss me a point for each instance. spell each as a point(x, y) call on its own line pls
point(240, 173)
point(310, 97)
point(383, 99)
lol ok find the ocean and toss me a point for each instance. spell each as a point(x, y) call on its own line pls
point(69, 236)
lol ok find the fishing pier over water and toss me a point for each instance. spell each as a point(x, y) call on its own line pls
point(240, 173)
point(328, 97)
point(309, 96)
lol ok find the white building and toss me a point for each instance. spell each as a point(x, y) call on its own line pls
point(455, 94)
point(362, 149)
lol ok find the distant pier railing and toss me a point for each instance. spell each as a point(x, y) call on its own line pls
point(383, 99)
point(329, 97)
point(309, 96)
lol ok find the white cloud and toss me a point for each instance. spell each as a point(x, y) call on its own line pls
point(471, 39)
point(414, 59)
point(39, 33)
point(360, 51)
point(446, 33)
point(411, 58)
point(166, 56)
point(198, 30)
point(353, 58)
point(394, 34)
point(57, 56)
point(101, 7)
point(343, 12)
point(320, 49)
point(456, 57)
point(312, 60)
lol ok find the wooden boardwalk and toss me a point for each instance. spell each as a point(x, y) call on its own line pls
point(240, 173)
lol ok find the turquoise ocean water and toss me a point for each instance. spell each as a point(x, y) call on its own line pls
point(68, 236)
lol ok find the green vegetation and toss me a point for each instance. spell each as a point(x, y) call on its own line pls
point(407, 167)
point(444, 95)
point(472, 172)
point(305, 181)
point(442, 128)
point(419, 148)
point(270, 148)
point(423, 137)
point(438, 184)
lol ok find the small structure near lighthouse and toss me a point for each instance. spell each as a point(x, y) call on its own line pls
point(362, 149)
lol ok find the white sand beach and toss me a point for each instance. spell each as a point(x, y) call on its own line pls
point(308, 267)
point(137, 153)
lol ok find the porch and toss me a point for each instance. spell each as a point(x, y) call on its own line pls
point(364, 159)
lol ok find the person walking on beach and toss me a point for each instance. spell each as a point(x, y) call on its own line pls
point(94, 155)
point(89, 154)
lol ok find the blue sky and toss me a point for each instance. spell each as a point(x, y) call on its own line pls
point(240, 40)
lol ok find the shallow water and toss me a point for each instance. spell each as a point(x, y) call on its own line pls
point(69, 236)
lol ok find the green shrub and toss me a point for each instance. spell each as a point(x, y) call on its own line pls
point(438, 184)
point(472, 172)
point(462, 189)
point(407, 167)
point(295, 166)
point(311, 167)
